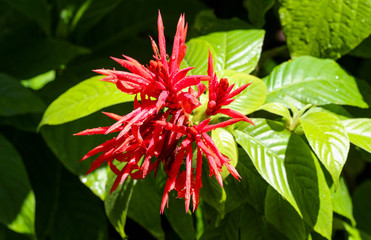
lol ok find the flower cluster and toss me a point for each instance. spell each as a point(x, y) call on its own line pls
point(161, 128)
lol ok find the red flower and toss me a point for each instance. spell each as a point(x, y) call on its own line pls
point(160, 129)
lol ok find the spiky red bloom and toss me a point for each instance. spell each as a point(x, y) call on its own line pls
point(159, 129)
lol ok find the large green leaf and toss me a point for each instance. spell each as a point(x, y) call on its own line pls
point(36, 10)
point(362, 207)
point(253, 225)
point(17, 199)
point(312, 81)
point(225, 142)
point(309, 186)
point(181, 222)
point(326, 29)
point(145, 204)
point(250, 99)
point(342, 202)
point(252, 188)
point(16, 99)
point(359, 132)
point(328, 139)
point(266, 144)
point(96, 181)
point(37, 57)
point(280, 213)
point(117, 202)
point(257, 9)
point(237, 50)
point(78, 214)
point(83, 99)
point(277, 108)
point(70, 149)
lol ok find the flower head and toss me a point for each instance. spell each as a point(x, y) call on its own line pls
point(159, 131)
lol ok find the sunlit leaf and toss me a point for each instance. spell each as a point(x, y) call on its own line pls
point(359, 132)
point(328, 139)
point(326, 29)
point(83, 99)
point(250, 99)
point(277, 108)
point(237, 50)
point(309, 80)
point(266, 144)
point(225, 142)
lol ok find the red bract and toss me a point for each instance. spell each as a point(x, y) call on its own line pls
point(159, 131)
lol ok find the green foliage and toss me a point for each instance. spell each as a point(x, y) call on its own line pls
point(301, 178)
point(325, 29)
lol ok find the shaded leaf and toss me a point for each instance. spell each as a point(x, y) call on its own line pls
point(283, 216)
point(328, 139)
point(253, 225)
point(206, 22)
point(117, 202)
point(237, 50)
point(327, 29)
point(309, 186)
point(312, 81)
point(342, 202)
point(362, 207)
point(144, 207)
point(16, 99)
point(38, 56)
point(359, 132)
point(70, 149)
point(36, 10)
point(266, 144)
point(257, 10)
point(79, 213)
point(83, 99)
point(17, 199)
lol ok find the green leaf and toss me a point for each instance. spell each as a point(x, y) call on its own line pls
point(362, 207)
point(69, 149)
point(277, 108)
point(237, 50)
point(266, 143)
point(327, 137)
point(38, 82)
point(36, 10)
point(312, 81)
point(228, 228)
point(17, 199)
point(252, 188)
point(225, 142)
point(117, 202)
point(253, 225)
point(250, 99)
point(83, 99)
point(96, 181)
point(206, 22)
point(38, 56)
point(363, 50)
point(78, 214)
point(257, 9)
point(145, 204)
point(326, 29)
point(342, 202)
point(283, 216)
point(359, 132)
point(309, 186)
point(16, 99)
point(181, 222)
